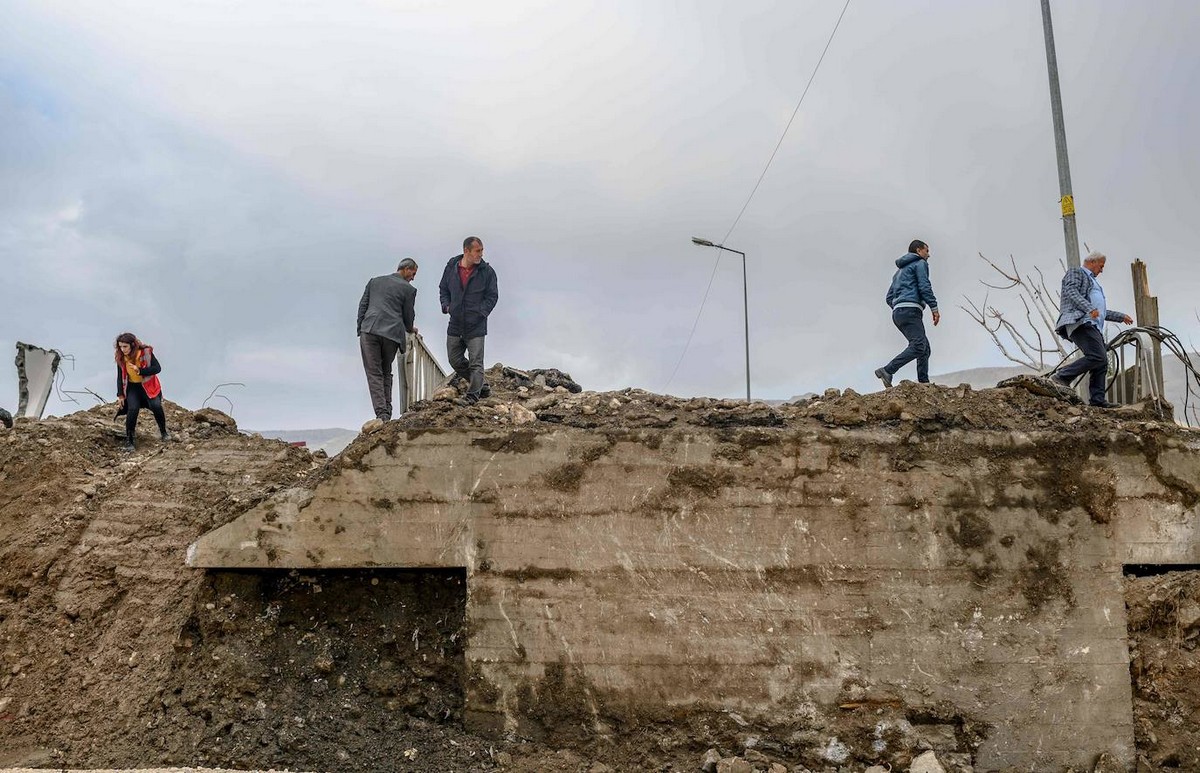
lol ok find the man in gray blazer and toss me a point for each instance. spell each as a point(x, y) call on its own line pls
point(385, 318)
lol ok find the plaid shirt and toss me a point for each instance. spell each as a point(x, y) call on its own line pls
point(1074, 305)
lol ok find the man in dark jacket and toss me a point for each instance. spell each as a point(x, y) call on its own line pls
point(908, 295)
point(468, 293)
point(385, 318)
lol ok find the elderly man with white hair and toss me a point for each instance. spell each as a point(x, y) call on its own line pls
point(1082, 314)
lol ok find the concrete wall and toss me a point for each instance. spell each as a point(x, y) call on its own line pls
point(652, 574)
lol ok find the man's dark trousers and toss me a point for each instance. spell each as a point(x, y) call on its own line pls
point(466, 357)
point(1090, 341)
point(378, 354)
point(910, 321)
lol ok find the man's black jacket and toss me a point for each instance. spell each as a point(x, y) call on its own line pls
point(468, 306)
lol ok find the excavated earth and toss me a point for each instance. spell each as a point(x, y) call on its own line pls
point(114, 654)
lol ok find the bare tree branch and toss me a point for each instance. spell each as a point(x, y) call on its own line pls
point(1028, 343)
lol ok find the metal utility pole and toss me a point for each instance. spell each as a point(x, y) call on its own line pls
point(1060, 144)
point(745, 301)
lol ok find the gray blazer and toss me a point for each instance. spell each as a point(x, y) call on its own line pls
point(387, 308)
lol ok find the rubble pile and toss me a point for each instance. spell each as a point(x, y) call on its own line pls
point(553, 397)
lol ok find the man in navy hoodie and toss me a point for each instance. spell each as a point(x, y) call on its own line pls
point(909, 294)
point(468, 292)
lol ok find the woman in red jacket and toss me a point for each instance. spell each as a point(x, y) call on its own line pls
point(137, 385)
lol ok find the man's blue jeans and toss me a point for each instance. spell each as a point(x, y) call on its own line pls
point(911, 323)
point(1090, 341)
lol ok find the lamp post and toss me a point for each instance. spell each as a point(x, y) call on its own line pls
point(745, 301)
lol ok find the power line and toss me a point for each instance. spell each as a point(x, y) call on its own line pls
point(754, 190)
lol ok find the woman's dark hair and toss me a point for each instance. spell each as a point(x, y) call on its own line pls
point(126, 338)
point(916, 244)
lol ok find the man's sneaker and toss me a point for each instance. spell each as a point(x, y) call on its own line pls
point(129, 447)
point(1105, 404)
point(6, 418)
point(485, 392)
point(885, 377)
point(468, 399)
point(166, 437)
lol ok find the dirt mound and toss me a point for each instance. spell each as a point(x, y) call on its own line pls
point(114, 654)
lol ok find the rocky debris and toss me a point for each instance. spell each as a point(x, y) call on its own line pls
point(214, 417)
point(550, 397)
point(926, 763)
point(734, 765)
point(1163, 613)
point(374, 425)
point(1041, 385)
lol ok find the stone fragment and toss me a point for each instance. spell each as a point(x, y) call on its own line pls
point(876, 769)
point(836, 752)
point(709, 763)
point(734, 765)
point(446, 393)
point(521, 415)
point(777, 767)
point(372, 426)
point(926, 763)
point(1106, 763)
point(215, 418)
point(503, 759)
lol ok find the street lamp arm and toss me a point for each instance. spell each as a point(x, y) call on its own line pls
point(707, 243)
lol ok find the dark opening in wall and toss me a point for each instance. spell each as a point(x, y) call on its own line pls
point(315, 670)
point(1153, 570)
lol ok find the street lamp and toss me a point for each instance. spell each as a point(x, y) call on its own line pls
point(745, 301)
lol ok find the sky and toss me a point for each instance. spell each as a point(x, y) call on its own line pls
point(222, 178)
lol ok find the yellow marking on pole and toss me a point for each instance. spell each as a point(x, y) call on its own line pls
point(1068, 206)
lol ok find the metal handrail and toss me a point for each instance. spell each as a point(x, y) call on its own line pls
point(421, 375)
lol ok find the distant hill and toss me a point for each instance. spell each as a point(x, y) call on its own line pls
point(980, 378)
point(331, 440)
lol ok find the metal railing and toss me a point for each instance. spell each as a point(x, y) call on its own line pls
point(420, 374)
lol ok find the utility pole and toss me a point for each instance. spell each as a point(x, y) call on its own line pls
point(1070, 234)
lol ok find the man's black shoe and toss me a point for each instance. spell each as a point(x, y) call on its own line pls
point(885, 377)
point(468, 399)
point(6, 418)
point(128, 448)
point(1105, 404)
point(485, 392)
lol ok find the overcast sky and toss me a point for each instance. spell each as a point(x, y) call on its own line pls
point(222, 178)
